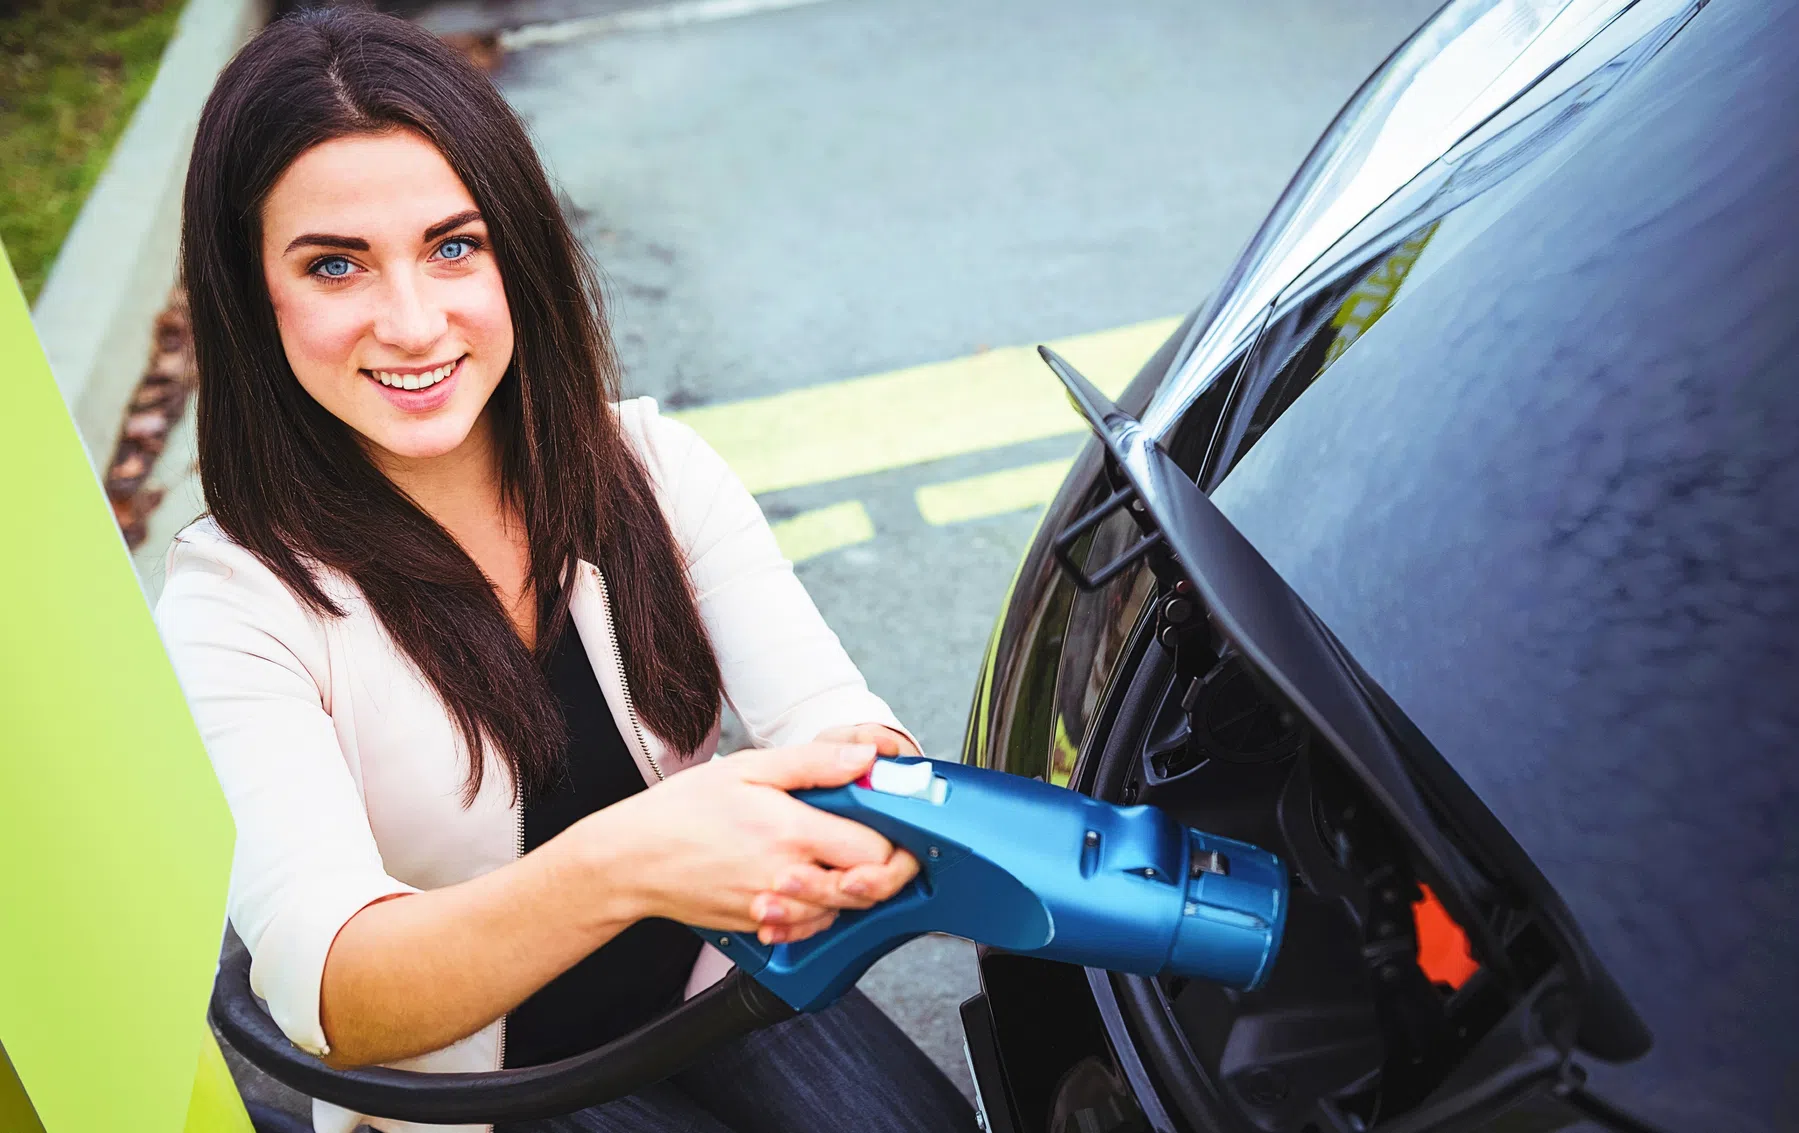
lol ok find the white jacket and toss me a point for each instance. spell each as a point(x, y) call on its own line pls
point(344, 773)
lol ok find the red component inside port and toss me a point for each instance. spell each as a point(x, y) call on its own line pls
point(1442, 945)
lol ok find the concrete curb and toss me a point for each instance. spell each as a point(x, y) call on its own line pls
point(115, 269)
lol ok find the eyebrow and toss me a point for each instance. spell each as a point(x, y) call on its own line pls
point(450, 222)
point(326, 240)
point(358, 244)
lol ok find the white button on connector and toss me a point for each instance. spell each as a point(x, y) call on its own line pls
point(909, 780)
point(890, 777)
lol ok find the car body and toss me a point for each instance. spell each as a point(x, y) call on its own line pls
point(1506, 391)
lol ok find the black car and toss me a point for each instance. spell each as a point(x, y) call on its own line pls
point(1451, 551)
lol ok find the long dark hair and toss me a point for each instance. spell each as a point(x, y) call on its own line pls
point(292, 484)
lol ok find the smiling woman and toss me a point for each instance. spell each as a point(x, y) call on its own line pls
point(412, 371)
point(457, 620)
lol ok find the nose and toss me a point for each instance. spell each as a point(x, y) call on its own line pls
point(408, 320)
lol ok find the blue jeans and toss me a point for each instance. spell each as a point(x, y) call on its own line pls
point(845, 1068)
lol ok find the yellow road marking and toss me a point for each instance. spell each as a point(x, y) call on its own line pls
point(903, 417)
point(813, 533)
point(996, 493)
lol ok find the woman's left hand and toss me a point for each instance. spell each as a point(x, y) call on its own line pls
point(887, 741)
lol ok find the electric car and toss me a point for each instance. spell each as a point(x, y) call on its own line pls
point(1493, 434)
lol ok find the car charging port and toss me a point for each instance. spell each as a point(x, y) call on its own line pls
point(1376, 997)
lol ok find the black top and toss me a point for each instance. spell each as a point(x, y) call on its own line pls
point(641, 972)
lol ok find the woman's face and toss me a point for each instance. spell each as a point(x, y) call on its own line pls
point(386, 291)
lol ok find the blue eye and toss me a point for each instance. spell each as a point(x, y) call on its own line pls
point(336, 267)
point(456, 249)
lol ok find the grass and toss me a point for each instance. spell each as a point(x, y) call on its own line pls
point(71, 72)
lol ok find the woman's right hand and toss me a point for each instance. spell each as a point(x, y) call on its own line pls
point(725, 846)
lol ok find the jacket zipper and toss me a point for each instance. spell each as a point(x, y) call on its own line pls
point(618, 659)
point(518, 851)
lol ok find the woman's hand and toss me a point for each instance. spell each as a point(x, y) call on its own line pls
point(725, 846)
point(887, 741)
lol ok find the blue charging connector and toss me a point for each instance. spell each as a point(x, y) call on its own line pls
point(1038, 870)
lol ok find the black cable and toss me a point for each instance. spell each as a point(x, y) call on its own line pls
point(730, 1009)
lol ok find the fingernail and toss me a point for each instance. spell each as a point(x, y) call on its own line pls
point(766, 909)
point(854, 755)
point(856, 887)
point(790, 885)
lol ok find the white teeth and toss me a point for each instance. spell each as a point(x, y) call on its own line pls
point(414, 381)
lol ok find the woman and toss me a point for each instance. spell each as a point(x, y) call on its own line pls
point(457, 628)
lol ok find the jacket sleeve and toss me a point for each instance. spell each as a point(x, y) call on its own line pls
point(253, 665)
point(786, 675)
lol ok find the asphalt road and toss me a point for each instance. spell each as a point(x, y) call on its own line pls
point(793, 197)
point(788, 198)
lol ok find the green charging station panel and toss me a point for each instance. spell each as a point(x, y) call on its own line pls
point(114, 837)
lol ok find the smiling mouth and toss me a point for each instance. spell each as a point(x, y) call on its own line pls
point(415, 380)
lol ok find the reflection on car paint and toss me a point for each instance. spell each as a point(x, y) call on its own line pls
point(1295, 352)
point(1099, 624)
point(1073, 1083)
point(1027, 748)
point(1008, 722)
point(1373, 296)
